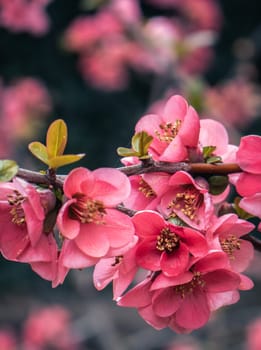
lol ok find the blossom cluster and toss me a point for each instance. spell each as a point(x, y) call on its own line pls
point(164, 236)
point(23, 104)
point(119, 37)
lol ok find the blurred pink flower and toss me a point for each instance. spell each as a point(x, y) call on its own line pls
point(8, 340)
point(49, 327)
point(25, 16)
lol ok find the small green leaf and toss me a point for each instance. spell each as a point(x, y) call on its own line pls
point(214, 160)
point(8, 169)
point(39, 151)
point(208, 151)
point(59, 161)
point(126, 152)
point(56, 138)
point(241, 212)
point(217, 184)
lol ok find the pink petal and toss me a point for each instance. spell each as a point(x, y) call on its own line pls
point(175, 151)
point(149, 123)
point(252, 204)
point(148, 256)
point(243, 256)
point(72, 257)
point(212, 261)
point(148, 223)
point(92, 241)
point(73, 181)
point(68, 227)
point(111, 186)
point(195, 242)
point(191, 122)
point(118, 228)
point(213, 133)
point(166, 302)
point(138, 296)
point(175, 263)
point(221, 281)
point(217, 300)
point(175, 108)
point(194, 311)
point(163, 281)
point(248, 156)
point(104, 272)
point(248, 184)
point(153, 320)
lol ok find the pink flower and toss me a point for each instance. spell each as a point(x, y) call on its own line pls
point(225, 233)
point(146, 190)
point(185, 302)
point(22, 217)
point(49, 327)
point(254, 334)
point(164, 246)
point(174, 132)
point(188, 199)
point(120, 270)
point(90, 223)
point(7, 340)
point(248, 183)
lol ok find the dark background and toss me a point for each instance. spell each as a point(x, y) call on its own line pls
point(98, 123)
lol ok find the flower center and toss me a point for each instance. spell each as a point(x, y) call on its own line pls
point(168, 131)
point(188, 202)
point(229, 245)
point(118, 260)
point(167, 241)
point(87, 210)
point(15, 200)
point(188, 288)
point(145, 188)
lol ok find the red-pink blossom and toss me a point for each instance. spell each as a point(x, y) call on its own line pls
point(225, 233)
point(189, 200)
point(147, 190)
point(164, 246)
point(173, 132)
point(90, 223)
point(120, 270)
point(184, 303)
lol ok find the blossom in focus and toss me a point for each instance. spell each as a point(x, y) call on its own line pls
point(185, 302)
point(164, 246)
point(146, 190)
point(90, 223)
point(171, 131)
point(189, 200)
point(225, 233)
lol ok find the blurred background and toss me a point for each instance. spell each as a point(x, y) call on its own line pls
point(100, 65)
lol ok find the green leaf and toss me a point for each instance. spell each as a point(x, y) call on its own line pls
point(217, 184)
point(140, 143)
point(208, 151)
point(39, 151)
point(59, 161)
point(126, 152)
point(56, 138)
point(214, 159)
point(241, 212)
point(8, 169)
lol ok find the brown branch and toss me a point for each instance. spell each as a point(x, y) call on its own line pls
point(148, 166)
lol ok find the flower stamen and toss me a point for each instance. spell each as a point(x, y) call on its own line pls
point(229, 245)
point(15, 200)
point(168, 131)
point(87, 210)
point(145, 188)
point(167, 241)
point(187, 288)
